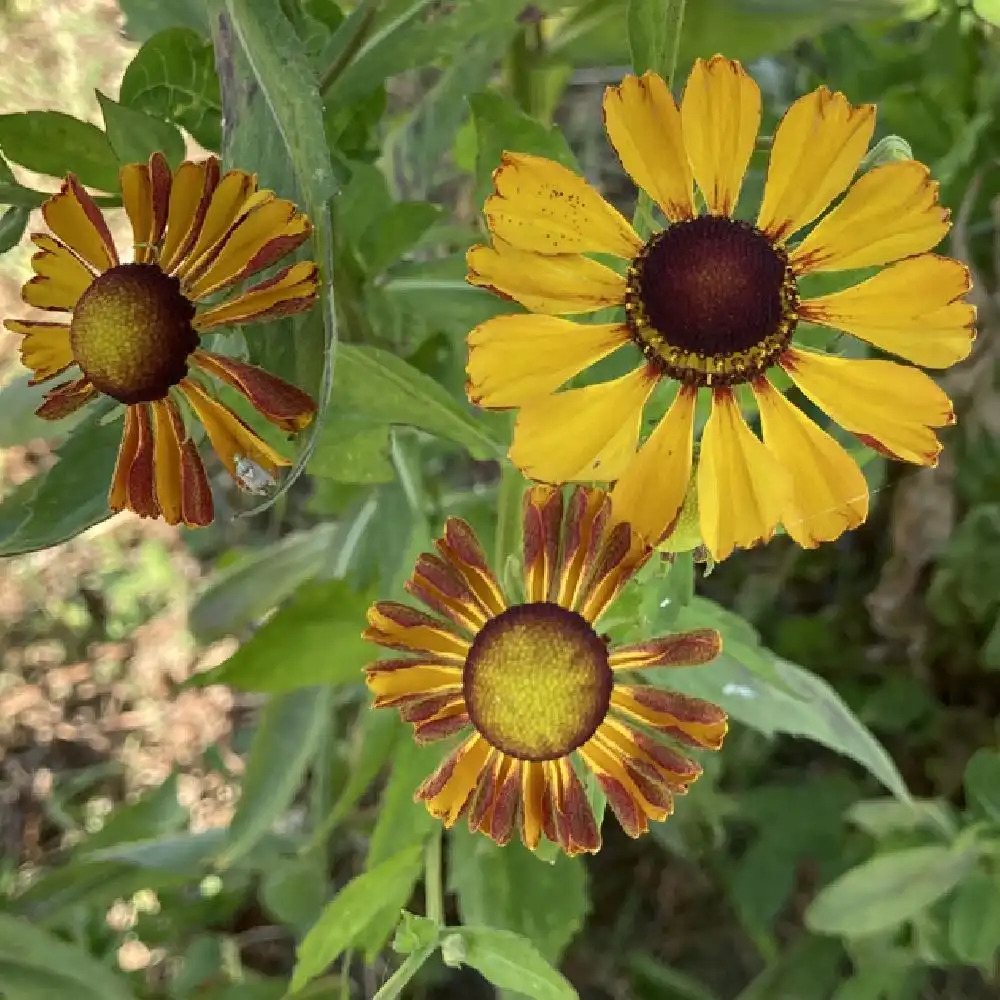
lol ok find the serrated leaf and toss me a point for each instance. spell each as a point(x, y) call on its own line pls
point(53, 143)
point(173, 76)
point(283, 746)
point(315, 639)
point(888, 889)
point(135, 135)
point(512, 962)
point(363, 899)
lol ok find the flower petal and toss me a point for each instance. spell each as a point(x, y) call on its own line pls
point(542, 519)
point(818, 147)
point(133, 485)
point(461, 549)
point(742, 489)
point(582, 434)
point(829, 493)
point(437, 584)
point(541, 205)
point(118, 494)
point(620, 554)
point(230, 437)
point(447, 791)
point(191, 192)
point(650, 493)
point(66, 398)
point(229, 199)
point(889, 213)
point(720, 110)
point(137, 196)
point(293, 289)
point(182, 488)
point(74, 217)
point(690, 720)
point(913, 309)
point(516, 359)
point(891, 407)
point(404, 679)
point(45, 348)
point(685, 649)
point(60, 278)
point(558, 283)
point(644, 125)
point(398, 626)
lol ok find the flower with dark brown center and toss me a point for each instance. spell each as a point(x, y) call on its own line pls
point(134, 329)
point(542, 692)
point(714, 303)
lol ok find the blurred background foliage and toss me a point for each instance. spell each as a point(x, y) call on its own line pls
point(195, 800)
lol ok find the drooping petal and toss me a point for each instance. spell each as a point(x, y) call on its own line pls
point(690, 720)
point(66, 398)
point(644, 125)
point(742, 489)
point(818, 147)
point(77, 221)
point(446, 792)
point(398, 626)
point(293, 289)
point(890, 407)
point(60, 278)
point(284, 405)
point(685, 649)
point(582, 434)
point(45, 348)
point(532, 792)
point(133, 485)
point(567, 817)
point(258, 239)
point(558, 283)
point(516, 359)
point(720, 110)
point(191, 192)
point(118, 494)
point(650, 493)
point(889, 213)
point(913, 309)
point(541, 205)
point(542, 519)
point(230, 437)
point(182, 487)
point(828, 491)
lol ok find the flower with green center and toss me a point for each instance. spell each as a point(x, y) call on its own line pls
point(544, 694)
point(711, 303)
point(134, 329)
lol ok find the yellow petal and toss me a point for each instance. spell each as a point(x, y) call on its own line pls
point(182, 487)
point(229, 199)
point(45, 348)
point(890, 407)
point(516, 359)
point(720, 110)
point(540, 205)
point(582, 434)
point(891, 212)
point(829, 492)
point(913, 309)
point(449, 787)
point(818, 146)
point(559, 284)
point(290, 291)
point(742, 490)
point(74, 217)
point(650, 493)
point(138, 200)
point(644, 125)
point(190, 195)
point(230, 437)
point(60, 277)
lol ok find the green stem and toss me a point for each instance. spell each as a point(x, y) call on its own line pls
point(509, 494)
point(395, 984)
point(433, 888)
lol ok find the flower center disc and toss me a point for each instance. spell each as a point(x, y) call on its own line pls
point(131, 333)
point(711, 301)
point(537, 682)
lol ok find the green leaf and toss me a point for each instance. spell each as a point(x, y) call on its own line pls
point(173, 76)
point(134, 135)
point(144, 18)
point(982, 783)
point(648, 39)
point(314, 639)
point(394, 231)
point(239, 595)
point(888, 889)
point(511, 962)
point(53, 143)
point(881, 817)
point(18, 403)
point(67, 499)
point(378, 386)
point(269, 89)
point(974, 921)
point(157, 812)
point(351, 450)
point(510, 888)
point(12, 226)
point(988, 10)
point(362, 900)
point(32, 955)
point(283, 746)
point(805, 705)
point(294, 890)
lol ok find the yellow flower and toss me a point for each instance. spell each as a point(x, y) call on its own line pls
point(712, 303)
point(536, 682)
point(134, 329)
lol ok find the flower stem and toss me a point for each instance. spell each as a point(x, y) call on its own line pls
point(509, 493)
point(433, 889)
point(395, 984)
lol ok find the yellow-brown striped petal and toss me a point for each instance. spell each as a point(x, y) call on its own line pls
point(77, 221)
point(685, 649)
